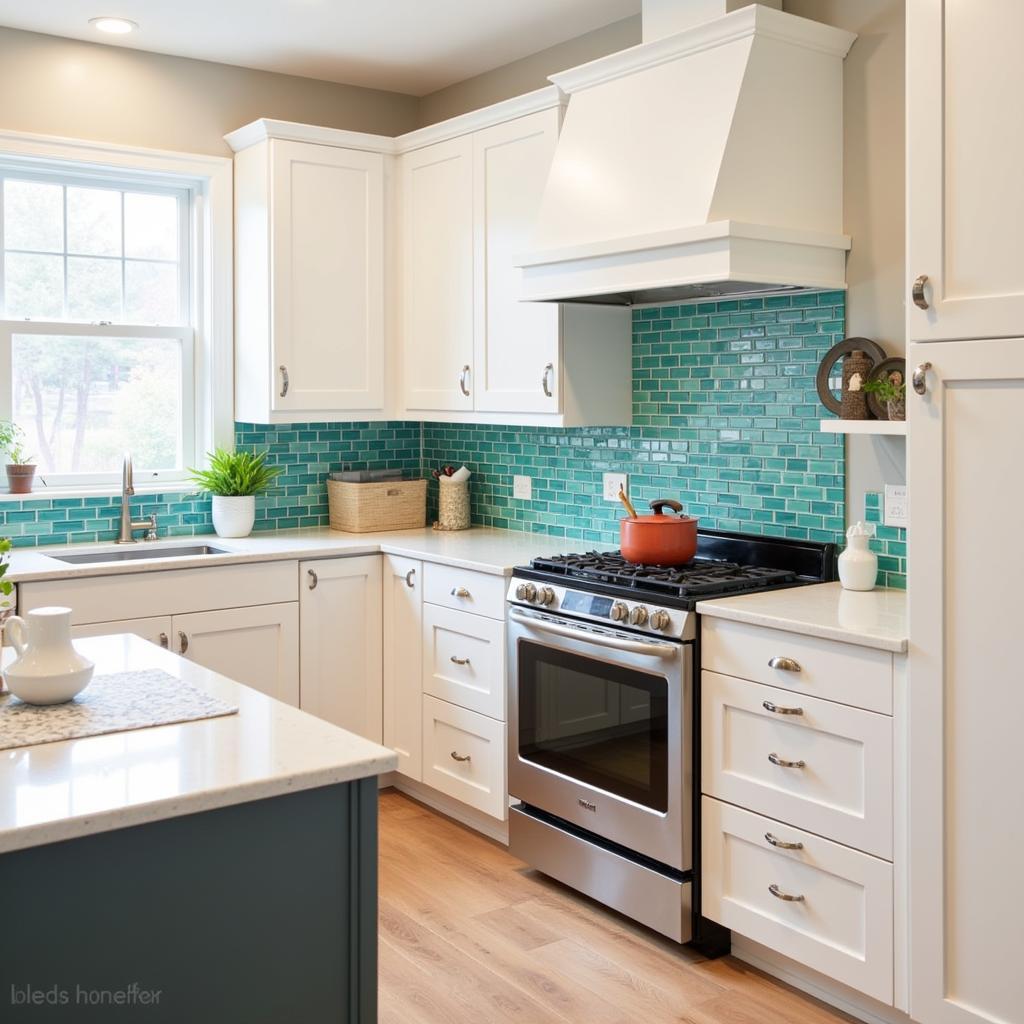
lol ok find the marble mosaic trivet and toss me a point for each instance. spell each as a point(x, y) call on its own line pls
point(110, 703)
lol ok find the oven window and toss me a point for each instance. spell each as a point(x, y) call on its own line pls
point(595, 722)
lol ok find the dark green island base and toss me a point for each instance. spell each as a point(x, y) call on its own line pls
point(257, 913)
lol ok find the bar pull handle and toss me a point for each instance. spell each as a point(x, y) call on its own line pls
point(284, 380)
point(408, 579)
point(917, 291)
point(781, 843)
point(313, 579)
point(464, 380)
point(461, 758)
point(545, 379)
point(165, 642)
point(778, 709)
point(783, 763)
point(182, 642)
point(780, 895)
point(919, 378)
point(459, 661)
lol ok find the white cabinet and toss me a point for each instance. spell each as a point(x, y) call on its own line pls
point(464, 660)
point(156, 629)
point(403, 662)
point(437, 275)
point(340, 606)
point(966, 701)
point(257, 646)
point(965, 148)
point(309, 262)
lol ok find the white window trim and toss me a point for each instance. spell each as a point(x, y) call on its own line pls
point(211, 179)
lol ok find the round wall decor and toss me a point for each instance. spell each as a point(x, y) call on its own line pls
point(826, 368)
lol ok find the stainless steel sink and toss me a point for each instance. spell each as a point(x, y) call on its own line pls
point(142, 551)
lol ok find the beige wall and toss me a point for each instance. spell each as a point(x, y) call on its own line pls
point(58, 86)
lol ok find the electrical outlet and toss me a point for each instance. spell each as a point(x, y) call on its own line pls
point(613, 482)
point(522, 487)
point(897, 505)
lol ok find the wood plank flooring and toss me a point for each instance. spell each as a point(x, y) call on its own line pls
point(470, 935)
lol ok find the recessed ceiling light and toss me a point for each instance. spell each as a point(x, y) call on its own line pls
point(115, 26)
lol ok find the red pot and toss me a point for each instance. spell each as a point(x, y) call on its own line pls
point(659, 539)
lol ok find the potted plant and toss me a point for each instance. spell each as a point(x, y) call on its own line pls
point(6, 589)
point(892, 390)
point(19, 466)
point(234, 479)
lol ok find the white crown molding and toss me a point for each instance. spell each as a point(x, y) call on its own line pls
point(269, 128)
point(753, 20)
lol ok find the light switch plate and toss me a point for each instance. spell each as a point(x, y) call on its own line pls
point(612, 483)
point(522, 487)
point(897, 505)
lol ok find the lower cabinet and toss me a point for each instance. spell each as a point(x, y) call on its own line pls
point(403, 662)
point(156, 629)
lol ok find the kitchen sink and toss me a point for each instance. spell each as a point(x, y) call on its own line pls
point(143, 551)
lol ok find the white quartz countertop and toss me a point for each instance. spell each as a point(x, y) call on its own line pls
point(481, 549)
point(875, 618)
point(56, 791)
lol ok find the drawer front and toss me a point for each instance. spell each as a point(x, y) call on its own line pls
point(858, 676)
point(842, 926)
point(464, 660)
point(468, 591)
point(464, 756)
point(835, 778)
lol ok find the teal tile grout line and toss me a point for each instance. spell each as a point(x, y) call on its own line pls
point(889, 543)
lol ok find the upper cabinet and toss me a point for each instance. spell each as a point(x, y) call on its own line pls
point(964, 153)
point(309, 270)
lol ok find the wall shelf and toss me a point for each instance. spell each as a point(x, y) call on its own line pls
point(891, 428)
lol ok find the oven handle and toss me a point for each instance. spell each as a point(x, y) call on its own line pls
point(652, 650)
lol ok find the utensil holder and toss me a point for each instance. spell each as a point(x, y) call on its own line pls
point(452, 505)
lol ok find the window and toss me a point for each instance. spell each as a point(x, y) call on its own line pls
point(97, 330)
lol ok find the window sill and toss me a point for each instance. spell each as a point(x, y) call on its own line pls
point(98, 491)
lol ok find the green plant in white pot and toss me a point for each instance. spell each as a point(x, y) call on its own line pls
point(234, 479)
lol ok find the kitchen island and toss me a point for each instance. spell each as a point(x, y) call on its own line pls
point(215, 870)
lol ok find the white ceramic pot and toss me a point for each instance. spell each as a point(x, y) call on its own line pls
point(234, 516)
point(48, 669)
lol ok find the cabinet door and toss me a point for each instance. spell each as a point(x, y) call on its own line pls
point(966, 704)
point(156, 629)
point(517, 358)
point(965, 148)
point(256, 646)
point(340, 606)
point(437, 285)
point(327, 216)
point(403, 646)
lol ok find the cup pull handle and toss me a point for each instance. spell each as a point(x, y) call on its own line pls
point(165, 641)
point(784, 664)
point(460, 592)
point(919, 378)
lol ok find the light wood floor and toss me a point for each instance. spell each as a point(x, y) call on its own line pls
point(470, 935)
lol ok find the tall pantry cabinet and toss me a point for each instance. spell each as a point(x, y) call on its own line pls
point(965, 327)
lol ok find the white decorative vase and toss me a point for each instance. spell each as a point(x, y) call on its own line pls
point(48, 669)
point(858, 564)
point(234, 516)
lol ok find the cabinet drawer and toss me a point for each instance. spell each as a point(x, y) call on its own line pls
point(858, 676)
point(469, 591)
point(464, 660)
point(464, 756)
point(842, 926)
point(843, 789)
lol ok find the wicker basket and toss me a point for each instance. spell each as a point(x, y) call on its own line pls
point(370, 507)
point(452, 505)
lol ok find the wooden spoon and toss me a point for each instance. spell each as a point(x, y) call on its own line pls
point(624, 498)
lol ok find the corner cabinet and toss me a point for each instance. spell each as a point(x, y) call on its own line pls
point(403, 654)
point(309, 277)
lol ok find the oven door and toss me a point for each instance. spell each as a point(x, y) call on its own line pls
point(600, 731)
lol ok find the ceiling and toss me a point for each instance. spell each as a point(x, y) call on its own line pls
point(410, 46)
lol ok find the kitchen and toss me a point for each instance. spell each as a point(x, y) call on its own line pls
point(499, 274)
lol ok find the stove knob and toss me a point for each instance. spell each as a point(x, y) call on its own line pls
point(660, 619)
point(545, 596)
point(526, 592)
point(638, 616)
point(619, 611)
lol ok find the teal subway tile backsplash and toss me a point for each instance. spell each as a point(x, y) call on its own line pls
point(725, 420)
point(889, 543)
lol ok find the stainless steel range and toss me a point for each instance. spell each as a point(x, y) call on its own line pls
point(604, 705)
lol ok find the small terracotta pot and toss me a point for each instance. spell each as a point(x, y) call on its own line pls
point(19, 478)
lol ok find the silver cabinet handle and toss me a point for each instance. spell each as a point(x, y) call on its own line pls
point(780, 895)
point(781, 843)
point(459, 661)
point(313, 579)
point(461, 758)
point(917, 291)
point(919, 378)
point(464, 380)
point(408, 579)
point(182, 642)
point(284, 380)
point(460, 592)
point(165, 642)
point(783, 763)
point(778, 709)
point(784, 664)
point(545, 379)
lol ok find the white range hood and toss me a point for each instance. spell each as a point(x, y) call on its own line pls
point(706, 162)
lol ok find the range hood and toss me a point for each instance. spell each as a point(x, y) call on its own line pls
point(706, 162)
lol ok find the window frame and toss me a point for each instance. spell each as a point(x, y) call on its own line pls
point(207, 298)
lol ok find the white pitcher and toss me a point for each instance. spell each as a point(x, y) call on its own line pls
point(48, 669)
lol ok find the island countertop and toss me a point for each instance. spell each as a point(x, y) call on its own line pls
point(56, 791)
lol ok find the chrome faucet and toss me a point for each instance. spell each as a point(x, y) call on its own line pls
point(128, 525)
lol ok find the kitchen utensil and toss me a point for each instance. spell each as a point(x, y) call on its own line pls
point(624, 498)
point(886, 368)
point(48, 669)
point(659, 539)
point(825, 375)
